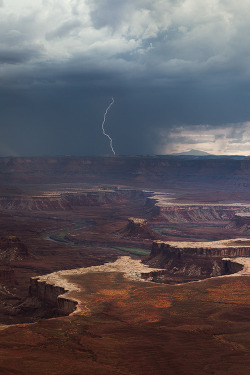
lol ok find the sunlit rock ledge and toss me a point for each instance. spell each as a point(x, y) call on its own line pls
point(222, 244)
point(54, 289)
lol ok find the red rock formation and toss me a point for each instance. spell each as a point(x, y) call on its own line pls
point(174, 212)
point(137, 228)
point(211, 250)
point(197, 213)
point(62, 201)
point(186, 263)
point(52, 295)
point(11, 249)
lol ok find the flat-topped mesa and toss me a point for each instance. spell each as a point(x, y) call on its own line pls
point(173, 212)
point(226, 248)
point(187, 261)
point(168, 207)
point(138, 228)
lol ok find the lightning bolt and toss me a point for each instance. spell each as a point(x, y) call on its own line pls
point(103, 130)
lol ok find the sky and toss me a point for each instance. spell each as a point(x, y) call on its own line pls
point(178, 70)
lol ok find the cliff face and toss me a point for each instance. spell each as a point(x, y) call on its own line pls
point(52, 295)
point(192, 263)
point(170, 170)
point(171, 211)
point(192, 270)
point(65, 200)
point(160, 248)
point(178, 214)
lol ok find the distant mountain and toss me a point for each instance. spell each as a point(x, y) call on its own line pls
point(193, 153)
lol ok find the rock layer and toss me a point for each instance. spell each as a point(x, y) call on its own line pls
point(137, 228)
point(52, 295)
point(66, 200)
point(187, 261)
point(234, 172)
point(231, 248)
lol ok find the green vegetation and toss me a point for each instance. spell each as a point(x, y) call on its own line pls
point(132, 250)
point(159, 230)
point(59, 236)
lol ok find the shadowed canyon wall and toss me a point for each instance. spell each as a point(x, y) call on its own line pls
point(52, 295)
point(182, 264)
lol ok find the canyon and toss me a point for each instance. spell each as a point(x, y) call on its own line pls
point(122, 264)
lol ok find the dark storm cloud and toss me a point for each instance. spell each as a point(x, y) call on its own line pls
point(15, 56)
point(176, 69)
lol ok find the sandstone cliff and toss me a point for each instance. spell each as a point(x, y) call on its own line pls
point(52, 295)
point(165, 206)
point(231, 248)
point(194, 261)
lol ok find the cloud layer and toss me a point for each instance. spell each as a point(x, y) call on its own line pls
point(230, 139)
point(171, 39)
point(170, 64)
